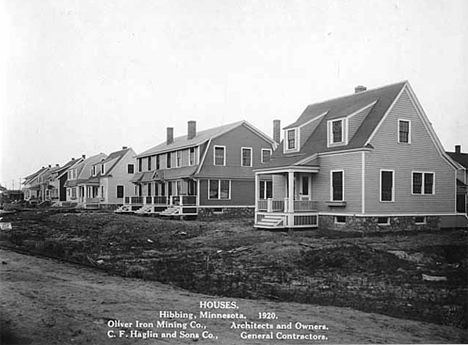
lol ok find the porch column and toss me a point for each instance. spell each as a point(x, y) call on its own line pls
point(256, 192)
point(291, 198)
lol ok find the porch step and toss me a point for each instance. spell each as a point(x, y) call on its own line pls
point(144, 210)
point(171, 211)
point(124, 209)
point(270, 222)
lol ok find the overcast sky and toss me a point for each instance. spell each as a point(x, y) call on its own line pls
point(83, 77)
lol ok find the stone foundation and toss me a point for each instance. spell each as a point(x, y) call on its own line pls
point(368, 224)
point(213, 213)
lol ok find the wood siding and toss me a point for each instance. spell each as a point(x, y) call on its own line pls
point(233, 141)
point(120, 177)
point(242, 194)
point(420, 155)
point(350, 163)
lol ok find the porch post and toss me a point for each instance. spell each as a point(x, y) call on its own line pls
point(291, 198)
point(256, 192)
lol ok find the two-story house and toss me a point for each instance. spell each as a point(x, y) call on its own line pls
point(206, 173)
point(77, 174)
point(32, 185)
point(109, 180)
point(369, 160)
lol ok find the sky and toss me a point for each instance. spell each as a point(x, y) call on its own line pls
point(83, 77)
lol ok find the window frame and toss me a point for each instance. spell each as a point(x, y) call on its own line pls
point(242, 156)
point(117, 191)
point(190, 161)
point(423, 182)
point(219, 189)
point(262, 158)
point(265, 183)
point(149, 163)
point(224, 155)
point(168, 160)
point(128, 168)
point(399, 131)
point(344, 132)
point(178, 161)
point(342, 184)
point(393, 185)
point(287, 141)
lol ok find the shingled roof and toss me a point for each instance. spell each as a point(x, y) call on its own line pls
point(377, 100)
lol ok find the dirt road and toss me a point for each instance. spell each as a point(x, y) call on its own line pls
point(48, 302)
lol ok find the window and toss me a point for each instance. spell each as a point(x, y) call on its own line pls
point(163, 189)
point(266, 153)
point(420, 220)
point(156, 189)
point(337, 131)
point(340, 219)
point(386, 185)
point(383, 221)
point(168, 160)
point(192, 156)
point(246, 160)
point(130, 169)
point(103, 169)
point(169, 188)
point(219, 155)
point(404, 131)
point(423, 183)
point(337, 185)
point(120, 192)
point(178, 158)
point(305, 185)
point(149, 163)
point(102, 192)
point(149, 189)
point(266, 189)
point(219, 189)
point(140, 164)
point(157, 162)
point(73, 192)
point(291, 136)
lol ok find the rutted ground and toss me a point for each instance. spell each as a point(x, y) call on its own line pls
point(382, 274)
point(47, 302)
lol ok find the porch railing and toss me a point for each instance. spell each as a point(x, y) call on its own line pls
point(184, 200)
point(282, 205)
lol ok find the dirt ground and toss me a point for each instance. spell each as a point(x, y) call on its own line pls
point(48, 302)
point(411, 276)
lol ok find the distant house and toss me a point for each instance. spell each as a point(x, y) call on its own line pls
point(462, 179)
point(32, 185)
point(77, 174)
point(207, 173)
point(369, 160)
point(109, 180)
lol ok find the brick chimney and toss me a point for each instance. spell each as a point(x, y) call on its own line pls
point(191, 129)
point(458, 148)
point(170, 135)
point(84, 156)
point(124, 147)
point(360, 88)
point(277, 130)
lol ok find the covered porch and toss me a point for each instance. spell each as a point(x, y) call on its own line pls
point(284, 198)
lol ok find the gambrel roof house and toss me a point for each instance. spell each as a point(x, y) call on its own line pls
point(109, 179)
point(367, 160)
point(201, 173)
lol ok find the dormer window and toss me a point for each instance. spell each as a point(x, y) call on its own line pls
point(291, 139)
point(337, 132)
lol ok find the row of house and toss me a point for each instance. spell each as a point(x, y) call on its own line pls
point(366, 160)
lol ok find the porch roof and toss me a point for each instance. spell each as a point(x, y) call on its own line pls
point(288, 162)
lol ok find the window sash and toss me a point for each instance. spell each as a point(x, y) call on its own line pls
point(417, 183)
point(149, 163)
point(246, 157)
point(337, 131)
point(219, 156)
point(423, 183)
point(337, 186)
point(130, 168)
point(291, 139)
point(404, 128)
point(266, 154)
point(192, 156)
point(386, 193)
point(219, 189)
point(168, 160)
point(120, 192)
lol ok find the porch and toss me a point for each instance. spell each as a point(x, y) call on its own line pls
point(161, 205)
point(284, 198)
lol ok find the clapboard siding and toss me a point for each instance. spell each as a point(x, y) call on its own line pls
point(420, 155)
point(351, 164)
point(242, 194)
